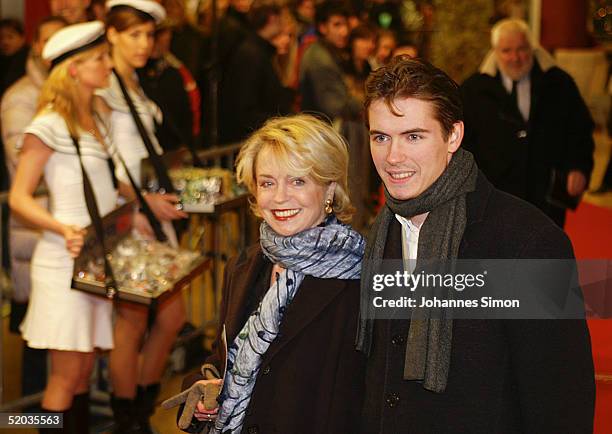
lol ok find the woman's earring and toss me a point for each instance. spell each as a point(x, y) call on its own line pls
point(328, 206)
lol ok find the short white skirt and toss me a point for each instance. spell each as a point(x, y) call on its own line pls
point(61, 318)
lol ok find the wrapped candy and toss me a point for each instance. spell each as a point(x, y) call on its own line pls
point(142, 266)
point(198, 188)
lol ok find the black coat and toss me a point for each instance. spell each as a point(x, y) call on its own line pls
point(164, 84)
point(251, 91)
point(518, 156)
point(506, 376)
point(12, 68)
point(311, 378)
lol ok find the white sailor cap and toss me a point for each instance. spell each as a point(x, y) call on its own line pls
point(149, 7)
point(72, 40)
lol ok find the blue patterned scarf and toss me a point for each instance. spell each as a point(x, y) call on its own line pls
point(331, 251)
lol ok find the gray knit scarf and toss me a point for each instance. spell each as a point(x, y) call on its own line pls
point(429, 340)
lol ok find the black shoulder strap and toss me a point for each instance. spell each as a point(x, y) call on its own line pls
point(158, 165)
point(96, 220)
point(144, 206)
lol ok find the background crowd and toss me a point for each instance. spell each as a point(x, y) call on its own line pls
point(218, 78)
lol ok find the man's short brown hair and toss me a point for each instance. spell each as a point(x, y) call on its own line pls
point(404, 77)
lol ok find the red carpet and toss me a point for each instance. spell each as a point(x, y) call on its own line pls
point(590, 229)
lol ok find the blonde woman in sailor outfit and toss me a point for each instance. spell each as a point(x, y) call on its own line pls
point(139, 357)
point(69, 323)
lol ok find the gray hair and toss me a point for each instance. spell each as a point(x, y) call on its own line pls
point(510, 25)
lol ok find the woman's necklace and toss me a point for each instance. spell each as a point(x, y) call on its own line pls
point(92, 128)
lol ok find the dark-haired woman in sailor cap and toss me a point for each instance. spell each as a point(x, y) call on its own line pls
point(130, 32)
point(69, 323)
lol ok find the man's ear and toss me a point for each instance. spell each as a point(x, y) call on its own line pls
point(455, 137)
point(322, 28)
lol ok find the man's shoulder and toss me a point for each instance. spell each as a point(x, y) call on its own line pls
point(317, 54)
point(518, 212)
point(555, 76)
point(512, 227)
point(248, 48)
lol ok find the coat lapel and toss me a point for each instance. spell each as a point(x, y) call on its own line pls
point(311, 299)
point(244, 277)
point(508, 109)
point(476, 204)
point(536, 84)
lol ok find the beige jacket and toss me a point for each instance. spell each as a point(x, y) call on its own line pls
point(17, 110)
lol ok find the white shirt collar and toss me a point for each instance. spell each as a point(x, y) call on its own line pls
point(523, 90)
point(407, 223)
point(507, 81)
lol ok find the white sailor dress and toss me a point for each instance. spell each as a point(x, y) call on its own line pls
point(59, 317)
point(126, 138)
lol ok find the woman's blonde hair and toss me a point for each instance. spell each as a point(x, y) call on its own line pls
point(305, 146)
point(60, 92)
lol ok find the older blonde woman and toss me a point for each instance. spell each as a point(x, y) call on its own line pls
point(290, 303)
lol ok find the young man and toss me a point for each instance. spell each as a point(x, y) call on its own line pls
point(442, 376)
point(322, 83)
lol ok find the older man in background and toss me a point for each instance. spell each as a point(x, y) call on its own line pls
point(527, 124)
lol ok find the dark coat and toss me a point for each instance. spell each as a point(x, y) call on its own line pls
point(188, 45)
point(163, 83)
point(518, 156)
point(506, 376)
point(311, 377)
point(12, 68)
point(251, 91)
point(322, 83)
point(233, 28)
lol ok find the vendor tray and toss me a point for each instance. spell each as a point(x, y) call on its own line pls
point(118, 230)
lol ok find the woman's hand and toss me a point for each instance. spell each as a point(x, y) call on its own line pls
point(201, 413)
point(164, 206)
point(75, 238)
point(192, 398)
point(205, 415)
point(143, 227)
